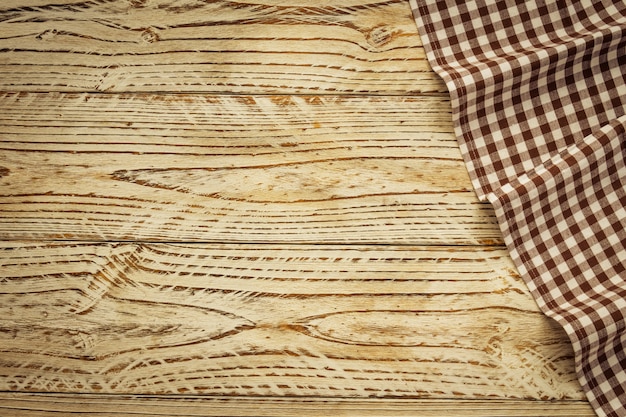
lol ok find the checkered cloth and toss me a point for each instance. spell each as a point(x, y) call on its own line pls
point(539, 106)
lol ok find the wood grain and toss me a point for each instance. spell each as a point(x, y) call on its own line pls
point(235, 169)
point(273, 46)
point(284, 321)
point(47, 405)
point(259, 208)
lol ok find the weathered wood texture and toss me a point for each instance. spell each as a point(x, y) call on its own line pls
point(38, 405)
point(239, 169)
point(275, 321)
point(263, 211)
point(213, 46)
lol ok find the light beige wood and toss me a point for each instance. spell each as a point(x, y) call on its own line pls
point(318, 249)
point(263, 320)
point(48, 405)
point(262, 46)
point(235, 168)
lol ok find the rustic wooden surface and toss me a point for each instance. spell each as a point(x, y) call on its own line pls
point(259, 208)
point(244, 168)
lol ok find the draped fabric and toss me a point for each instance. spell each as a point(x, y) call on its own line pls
point(538, 91)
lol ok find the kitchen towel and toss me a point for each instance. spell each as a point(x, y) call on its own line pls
point(538, 93)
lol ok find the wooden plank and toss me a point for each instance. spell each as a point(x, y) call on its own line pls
point(276, 320)
point(235, 169)
point(258, 46)
point(46, 405)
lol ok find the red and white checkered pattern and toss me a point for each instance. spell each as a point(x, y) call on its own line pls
point(539, 106)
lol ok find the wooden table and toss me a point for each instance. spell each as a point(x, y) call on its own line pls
point(228, 208)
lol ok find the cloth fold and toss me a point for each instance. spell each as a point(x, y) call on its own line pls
point(538, 92)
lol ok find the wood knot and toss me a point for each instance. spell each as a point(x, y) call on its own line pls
point(150, 35)
point(4, 171)
point(494, 347)
point(379, 36)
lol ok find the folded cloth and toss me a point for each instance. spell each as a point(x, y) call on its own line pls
point(538, 92)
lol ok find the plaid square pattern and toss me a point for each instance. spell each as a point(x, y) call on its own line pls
point(539, 107)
